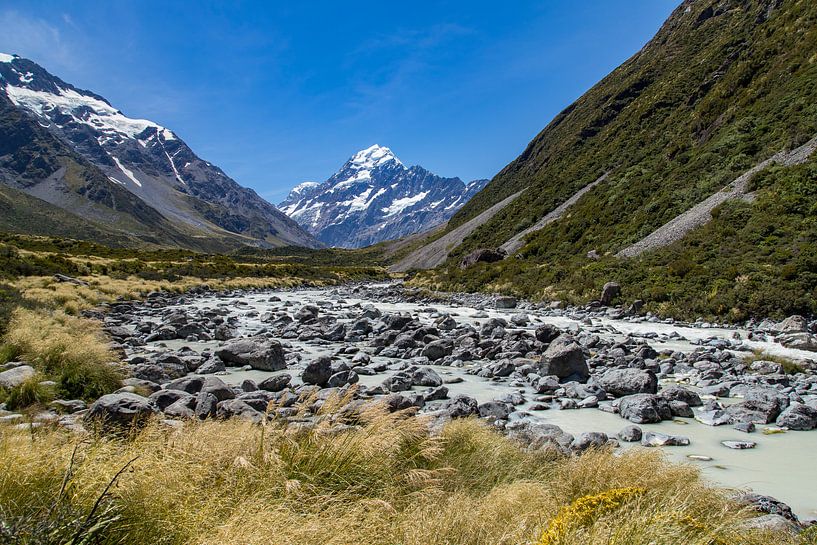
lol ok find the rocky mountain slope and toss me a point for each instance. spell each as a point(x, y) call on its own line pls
point(130, 177)
point(374, 197)
point(723, 86)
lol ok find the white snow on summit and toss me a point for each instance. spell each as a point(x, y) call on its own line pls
point(373, 156)
point(5, 57)
point(83, 109)
point(300, 188)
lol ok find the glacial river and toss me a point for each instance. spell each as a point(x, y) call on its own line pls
point(783, 465)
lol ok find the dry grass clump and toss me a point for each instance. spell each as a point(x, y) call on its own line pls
point(70, 350)
point(386, 482)
point(73, 298)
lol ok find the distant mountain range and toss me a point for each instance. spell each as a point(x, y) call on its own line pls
point(71, 164)
point(374, 197)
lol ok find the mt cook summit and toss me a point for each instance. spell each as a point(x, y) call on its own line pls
point(374, 197)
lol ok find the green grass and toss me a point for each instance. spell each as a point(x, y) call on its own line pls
point(30, 392)
point(752, 260)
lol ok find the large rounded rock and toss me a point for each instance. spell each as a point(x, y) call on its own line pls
point(237, 408)
point(259, 353)
point(461, 406)
point(436, 350)
point(760, 406)
point(505, 302)
point(644, 408)
point(673, 392)
point(609, 292)
point(545, 333)
point(564, 359)
point(189, 384)
point(318, 372)
point(399, 382)
point(425, 376)
point(342, 378)
point(624, 382)
point(495, 410)
point(276, 383)
point(123, 409)
point(798, 417)
point(799, 341)
point(16, 376)
point(630, 434)
point(165, 398)
point(217, 387)
point(793, 324)
point(589, 440)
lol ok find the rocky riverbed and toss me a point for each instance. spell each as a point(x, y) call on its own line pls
point(550, 377)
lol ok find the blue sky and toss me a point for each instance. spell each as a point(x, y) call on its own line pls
point(276, 93)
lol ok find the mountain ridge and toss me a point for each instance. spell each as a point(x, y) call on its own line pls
point(70, 147)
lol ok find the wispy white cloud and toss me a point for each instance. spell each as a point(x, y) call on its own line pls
point(36, 39)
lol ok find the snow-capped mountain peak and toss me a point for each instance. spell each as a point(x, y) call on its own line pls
point(372, 157)
point(133, 166)
point(54, 101)
point(374, 197)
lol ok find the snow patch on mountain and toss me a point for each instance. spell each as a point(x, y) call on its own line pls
point(398, 205)
point(83, 109)
point(126, 172)
point(5, 57)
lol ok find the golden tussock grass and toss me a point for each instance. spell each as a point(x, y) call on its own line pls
point(386, 482)
point(72, 298)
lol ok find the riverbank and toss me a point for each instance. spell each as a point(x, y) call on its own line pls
point(282, 354)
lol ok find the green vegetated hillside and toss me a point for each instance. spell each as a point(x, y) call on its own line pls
point(723, 85)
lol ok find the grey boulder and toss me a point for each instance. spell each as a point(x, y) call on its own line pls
point(318, 372)
point(123, 409)
point(624, 382)
point(564, 359)
point(16, 376)
point(644, 408)
point(259, 353)
point(798, 417)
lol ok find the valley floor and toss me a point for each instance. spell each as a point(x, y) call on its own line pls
point(306, 409)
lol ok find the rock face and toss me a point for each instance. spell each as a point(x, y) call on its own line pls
point(624, 382)
point(123, 409)
point(565, 359)
point(374, 197)
point(259, 353)
point(72, 149)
